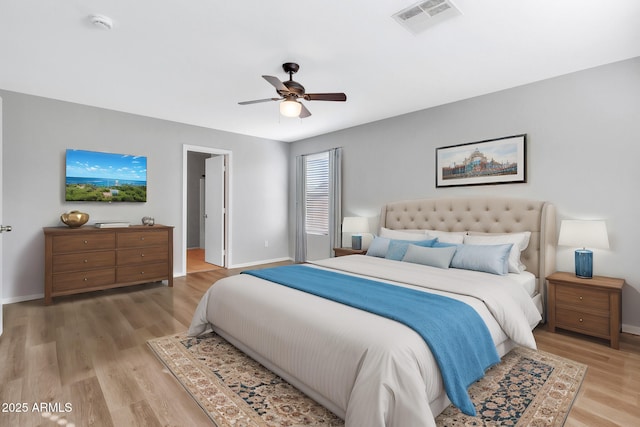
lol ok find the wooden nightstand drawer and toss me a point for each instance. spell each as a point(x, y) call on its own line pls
point(583, 322)
point(581, 298)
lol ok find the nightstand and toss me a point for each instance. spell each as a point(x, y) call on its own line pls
point(588, 306)
point(348, 251)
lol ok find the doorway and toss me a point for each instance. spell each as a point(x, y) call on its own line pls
point(206, 208)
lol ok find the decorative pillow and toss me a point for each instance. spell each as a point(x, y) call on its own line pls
point(432, 256)
point(488, 258)
point(520, 242)
point(378, 247)
point(402, 234)
point(398, 248)
point(447, 236)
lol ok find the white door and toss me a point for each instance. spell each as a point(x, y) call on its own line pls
point(214, 210)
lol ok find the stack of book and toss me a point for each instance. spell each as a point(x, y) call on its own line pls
point(112, 224)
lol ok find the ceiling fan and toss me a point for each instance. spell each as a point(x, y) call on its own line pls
point(291, 91)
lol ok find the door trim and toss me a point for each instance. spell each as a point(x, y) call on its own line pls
point(228, 201)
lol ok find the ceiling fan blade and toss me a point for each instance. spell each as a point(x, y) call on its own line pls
point(259, 100)
point(325, 97)
point(276, 83)
point(304, 112)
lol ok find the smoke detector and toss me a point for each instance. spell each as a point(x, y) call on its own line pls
point(101, 21)
point(422, 15)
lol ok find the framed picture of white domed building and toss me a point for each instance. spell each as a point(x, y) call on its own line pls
point(492, 161)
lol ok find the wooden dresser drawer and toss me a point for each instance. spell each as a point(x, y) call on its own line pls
point(83, 279)
point(583, 322)
point(142, 273)
point(143, 238)
point(582, 298)
point(84, 242)
point(83, 261)
point(142, 255)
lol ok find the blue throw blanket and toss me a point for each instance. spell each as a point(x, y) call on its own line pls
point(455, 333)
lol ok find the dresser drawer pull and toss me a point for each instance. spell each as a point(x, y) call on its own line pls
point(142, 272)
point(85, 261)
point(580, 298)
point(85, 279)
point(86, 241)
point(142, 238)
point(142, 255)
point(580, 320)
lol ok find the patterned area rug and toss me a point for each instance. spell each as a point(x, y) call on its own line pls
point(529, 388)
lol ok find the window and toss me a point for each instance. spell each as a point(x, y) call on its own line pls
point(317, 193)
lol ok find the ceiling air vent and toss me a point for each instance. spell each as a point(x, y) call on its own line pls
point(425, 14)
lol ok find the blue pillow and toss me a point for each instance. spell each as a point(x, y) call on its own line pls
point(378, 247)
point(487, 258)
point(439, 244)
point(433, 256)
point(397, 248)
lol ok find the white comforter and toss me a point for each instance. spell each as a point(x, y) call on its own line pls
point(369, 370)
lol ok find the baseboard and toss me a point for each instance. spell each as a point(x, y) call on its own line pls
point(265, 261)
point(23, 298)
point(630, 329)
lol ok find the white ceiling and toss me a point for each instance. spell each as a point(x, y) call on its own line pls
point(192, 61)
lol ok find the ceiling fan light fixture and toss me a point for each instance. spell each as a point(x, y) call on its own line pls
point(290, 108)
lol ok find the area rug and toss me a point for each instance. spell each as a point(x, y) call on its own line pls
point(529, 388)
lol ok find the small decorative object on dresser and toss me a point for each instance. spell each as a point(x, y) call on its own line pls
point(88, 259)
point(348, 251)
point(74, 218)
point(588, 306)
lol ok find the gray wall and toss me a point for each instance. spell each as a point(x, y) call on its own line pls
point(582, 155)
point(37, 131)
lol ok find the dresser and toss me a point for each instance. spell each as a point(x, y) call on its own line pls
point(88, 259)
point(588, 306)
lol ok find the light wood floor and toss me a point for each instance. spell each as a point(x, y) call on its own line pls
point(90, 351)
point(196, 262)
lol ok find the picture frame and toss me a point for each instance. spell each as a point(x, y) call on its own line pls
point(492, 161)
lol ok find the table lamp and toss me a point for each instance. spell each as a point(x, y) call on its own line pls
point(584, 233)
point(355, 225)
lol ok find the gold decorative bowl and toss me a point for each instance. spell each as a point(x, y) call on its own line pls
point(74, 218)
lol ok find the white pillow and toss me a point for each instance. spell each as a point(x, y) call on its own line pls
point(520, 242)
point(413, 235)
point(447, 236)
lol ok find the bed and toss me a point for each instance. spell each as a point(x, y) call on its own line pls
point(370, 370)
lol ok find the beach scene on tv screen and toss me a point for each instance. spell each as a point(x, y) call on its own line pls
point(105, 177)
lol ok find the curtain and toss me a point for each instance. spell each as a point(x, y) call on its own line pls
point(301, 235)
point(335, 198)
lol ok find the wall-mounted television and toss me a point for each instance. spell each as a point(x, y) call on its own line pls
point(105, 177)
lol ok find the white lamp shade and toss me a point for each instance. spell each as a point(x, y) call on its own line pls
point(290, 108)
point(355, 224)
point(584, 234)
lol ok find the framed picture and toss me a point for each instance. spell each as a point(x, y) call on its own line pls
point(493, 161)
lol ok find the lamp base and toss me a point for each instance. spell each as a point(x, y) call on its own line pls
point(584, 263)
point(356, 242)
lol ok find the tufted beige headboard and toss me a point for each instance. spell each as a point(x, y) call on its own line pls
point(486, 215)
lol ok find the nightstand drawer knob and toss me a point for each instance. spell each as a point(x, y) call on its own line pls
point(580, 298)
point(580, 320)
